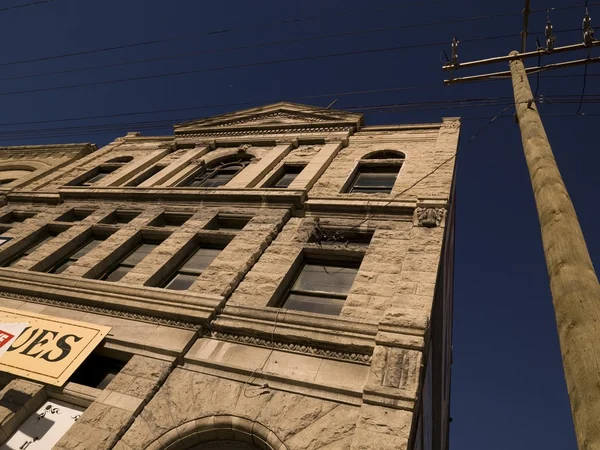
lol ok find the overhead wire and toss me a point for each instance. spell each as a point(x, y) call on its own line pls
point(25, 5)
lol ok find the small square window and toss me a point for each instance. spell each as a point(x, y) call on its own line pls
point(17, 217)
point(97, 371)
point(74, 215)
point(284, 177)
point(374, 179)
point(169, 219)
point(121, 217)
point(224, 222)
point(321, 287)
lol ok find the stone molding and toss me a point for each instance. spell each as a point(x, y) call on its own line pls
point(291, 129)
point(277, 114)
point(360, 358)
point(215, 428)
point(105, 311)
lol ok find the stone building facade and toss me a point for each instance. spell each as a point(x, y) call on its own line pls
point(274, 278)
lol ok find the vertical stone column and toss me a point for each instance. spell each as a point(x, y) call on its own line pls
point(254, 173)
point(107, 419)
point(311, 173)
point(18, 400)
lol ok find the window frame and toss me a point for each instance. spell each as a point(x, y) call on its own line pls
point(364, 167)
point(133, 245)
point(95, 235)
point(209, 171)
point(348, 259)
point(42, 236)
point(220, 219)
point(272, 181)
point(199, 243)
point(107, 167)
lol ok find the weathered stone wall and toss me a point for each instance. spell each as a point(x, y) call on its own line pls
point(107, 418)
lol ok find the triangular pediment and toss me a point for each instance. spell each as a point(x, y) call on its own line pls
point(278, 115)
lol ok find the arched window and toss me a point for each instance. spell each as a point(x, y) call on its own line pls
point(223, 445)
point(376, 173)
point(220, 173)
point(385, 154)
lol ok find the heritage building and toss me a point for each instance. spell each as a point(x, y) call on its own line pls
point(274, 278)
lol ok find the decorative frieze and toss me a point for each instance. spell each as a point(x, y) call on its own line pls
point(360, 358)
point(105, 311)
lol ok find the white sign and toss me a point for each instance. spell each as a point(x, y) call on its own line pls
point(8, 333)
point(44, 428)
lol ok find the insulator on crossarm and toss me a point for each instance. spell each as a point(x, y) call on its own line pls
point(588, 31)
point(550, 38)
point(455, 51)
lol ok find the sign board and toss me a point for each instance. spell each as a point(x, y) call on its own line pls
point(50, 348)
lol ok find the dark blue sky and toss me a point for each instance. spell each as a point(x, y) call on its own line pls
point(508, 386)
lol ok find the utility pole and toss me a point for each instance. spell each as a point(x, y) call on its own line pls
point(573, 281)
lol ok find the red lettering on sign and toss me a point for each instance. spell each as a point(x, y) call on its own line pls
point(5, 338)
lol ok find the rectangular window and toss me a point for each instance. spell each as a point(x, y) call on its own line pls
point(102, 173)
point(74, 215)
point(321, 287)
point(169, 219)
point(331, 237)
point(192, 267)
point(124, 266)
point(121, 217)
point(374, 180)
point(39, 242)
point(284, 176)
point(79, 253)
point(17, 217)
point(224, 222)
point(97, 371)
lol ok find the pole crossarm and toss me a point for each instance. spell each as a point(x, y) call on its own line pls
point(529, 70)
point(534, 54)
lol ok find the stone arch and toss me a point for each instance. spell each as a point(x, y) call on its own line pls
point(385, 154)
point(218, 429)
point(12, 172)
point(217, 156)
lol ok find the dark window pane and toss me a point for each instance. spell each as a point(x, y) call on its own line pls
point(117, 274)
point(140, 253)
point(217, 180)
point(317, 277)
point(181, 282)
point(96, 371)
point(320, 305)
point(30, 250)
point(96, 178)
point(376, 179)
point(62, 266)
point(200, 260)
point(86, 248)
point(285, 180)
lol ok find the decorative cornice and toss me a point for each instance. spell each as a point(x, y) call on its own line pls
point(360, 358)
point(300, 129)
point(104, 311)
point(282, 114)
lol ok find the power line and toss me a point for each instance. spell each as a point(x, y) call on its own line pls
point(195, 35)
point(25, 5)
point(216, 32)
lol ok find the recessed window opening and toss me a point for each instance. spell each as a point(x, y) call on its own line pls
point(97, 371)
point(104, 169)
point(137, 254)
point(224, 222)
point(80, 252)
point(121, 217)
point(386, 154)
point(220, 173)
point(74, 215)
point(17, 217)
point(192, 267)
point(285, 176)
point(39, 242)
point(321, 286)
point(7, 181)
point(374, 179)
point(169, 219)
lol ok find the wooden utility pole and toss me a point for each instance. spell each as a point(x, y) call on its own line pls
point(573, 281)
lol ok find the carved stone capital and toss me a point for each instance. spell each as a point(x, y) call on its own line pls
point(429, 217)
